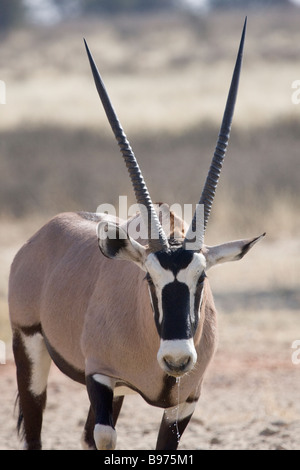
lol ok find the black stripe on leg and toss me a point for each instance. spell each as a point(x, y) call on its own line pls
point(101, 398)
point(170, 433)
point(31, 406)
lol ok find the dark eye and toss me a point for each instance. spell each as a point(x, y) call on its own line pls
point(201, 278)
point(149, 279)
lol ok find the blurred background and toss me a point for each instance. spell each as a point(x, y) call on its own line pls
point(167, 65)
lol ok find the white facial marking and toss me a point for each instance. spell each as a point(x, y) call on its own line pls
point(160, 278)
point(190, 276)
point(159, 274)
point(40, 362)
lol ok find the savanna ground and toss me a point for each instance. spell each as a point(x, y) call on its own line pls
point(168, 77)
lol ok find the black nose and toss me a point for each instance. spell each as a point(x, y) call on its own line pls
point(179, 366)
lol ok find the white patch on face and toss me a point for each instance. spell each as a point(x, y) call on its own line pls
point(190, 276)
point(40, 362)
point(160, 278)
point(160, 275)
point(176, 351)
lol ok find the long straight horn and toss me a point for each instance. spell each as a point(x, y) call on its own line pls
point(156, 236)
point(212, 179)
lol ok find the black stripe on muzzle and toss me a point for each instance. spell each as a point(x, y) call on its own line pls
point(176, 322)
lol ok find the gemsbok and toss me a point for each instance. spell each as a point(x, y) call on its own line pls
point(135, 316)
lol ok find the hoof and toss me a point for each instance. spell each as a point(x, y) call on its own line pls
point(105, 437)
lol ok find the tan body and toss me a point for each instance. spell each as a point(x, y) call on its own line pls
point(70, 290)
point(139, 314)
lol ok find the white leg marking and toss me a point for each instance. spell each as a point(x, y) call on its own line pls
point(40, 362)
point(105, 437)
point(105, 380)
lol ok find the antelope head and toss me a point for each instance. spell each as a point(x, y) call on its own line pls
point(175, 272)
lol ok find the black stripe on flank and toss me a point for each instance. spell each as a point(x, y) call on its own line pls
point(60, 362)
point(63, 365)
point(31, 330)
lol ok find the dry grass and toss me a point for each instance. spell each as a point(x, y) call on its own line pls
point(166, 72)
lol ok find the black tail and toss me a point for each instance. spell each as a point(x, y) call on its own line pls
point(20, 424)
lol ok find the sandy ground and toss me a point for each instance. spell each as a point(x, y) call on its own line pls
point(251, 394)
point(247, 403)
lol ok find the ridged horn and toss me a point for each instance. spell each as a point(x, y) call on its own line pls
point(156, 236)
point(212, 179)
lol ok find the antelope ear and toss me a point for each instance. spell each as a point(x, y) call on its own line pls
point(114, 242)
point(230, 251)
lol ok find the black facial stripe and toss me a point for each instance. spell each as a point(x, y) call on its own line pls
point(177, 260)
point(198, 293)
point(176, 322)
point(154, 302)
point(201, 278)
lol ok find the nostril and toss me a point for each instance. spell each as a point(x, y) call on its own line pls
point(177, 365)
point(177, 357)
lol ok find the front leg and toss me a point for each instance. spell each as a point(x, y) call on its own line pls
point(174, 421)
point(101, 392)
